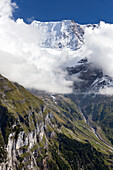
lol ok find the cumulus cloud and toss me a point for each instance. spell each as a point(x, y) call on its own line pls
point(99, 49)
point(6, 8)
point(99, 45)
point(23, 61)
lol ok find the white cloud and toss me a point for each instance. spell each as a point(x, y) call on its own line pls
point(99, 43)
point(99, 49)
point(24, 62)
point(6, 8)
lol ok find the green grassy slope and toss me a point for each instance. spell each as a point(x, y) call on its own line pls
point(67, 142)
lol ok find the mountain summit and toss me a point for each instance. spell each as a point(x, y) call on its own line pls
point(62, 34)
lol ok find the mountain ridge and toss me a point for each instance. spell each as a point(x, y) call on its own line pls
point(36, 134)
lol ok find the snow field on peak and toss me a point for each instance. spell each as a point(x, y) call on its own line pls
point(64, 34)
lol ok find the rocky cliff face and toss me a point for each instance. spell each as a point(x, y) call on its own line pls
point(40, 133)
point(88, 77)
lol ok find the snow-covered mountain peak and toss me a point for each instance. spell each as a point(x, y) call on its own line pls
point(66, 22)
point(88, 77)
point(61, 34)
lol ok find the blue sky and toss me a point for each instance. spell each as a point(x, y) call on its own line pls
point(81, 11)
